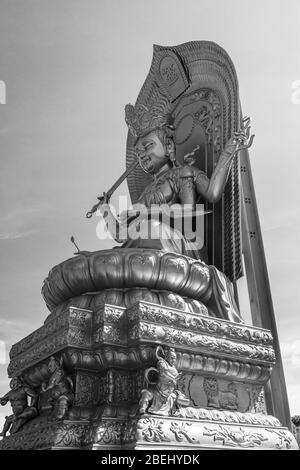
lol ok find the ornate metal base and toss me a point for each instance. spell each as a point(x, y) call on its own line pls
point(88, 369)
point(155, 432)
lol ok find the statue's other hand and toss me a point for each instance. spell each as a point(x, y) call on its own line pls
point(104, 203)
point(122, 217)
point(104, 199)
point(243, 138)
point(240, 138)
point(127, 215)
point(231, 146)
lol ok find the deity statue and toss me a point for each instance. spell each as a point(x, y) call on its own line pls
point(22, 411)
point(57, 394)
point(163, 397)
point(174, 184)
point(144, 309)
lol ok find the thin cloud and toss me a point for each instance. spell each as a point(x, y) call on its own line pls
point(18, 212)
point(291, 352)
point(10, 330)
point(16, 235)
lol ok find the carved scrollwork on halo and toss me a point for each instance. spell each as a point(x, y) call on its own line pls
point(207, 115)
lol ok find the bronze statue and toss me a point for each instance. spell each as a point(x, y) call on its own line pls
point(56, 395)
point(142, 309)
point(163, 397)
point(22, 412)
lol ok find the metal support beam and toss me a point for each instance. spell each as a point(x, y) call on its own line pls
point(259, 291)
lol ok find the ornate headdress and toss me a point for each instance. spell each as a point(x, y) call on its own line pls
point(142, 119)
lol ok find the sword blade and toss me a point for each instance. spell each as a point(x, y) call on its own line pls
point(122, 178)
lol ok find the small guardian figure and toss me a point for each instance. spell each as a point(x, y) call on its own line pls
point(57, 394)
point(22, 411)
point(163, 397)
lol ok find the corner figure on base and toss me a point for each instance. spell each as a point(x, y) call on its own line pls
point(22, 412)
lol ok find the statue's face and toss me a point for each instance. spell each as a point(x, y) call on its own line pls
point(172, 358)
point(151, 152)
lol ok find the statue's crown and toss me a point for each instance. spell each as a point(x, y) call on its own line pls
point(141, 119)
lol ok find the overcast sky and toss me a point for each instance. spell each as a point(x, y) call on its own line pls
point(70, 67)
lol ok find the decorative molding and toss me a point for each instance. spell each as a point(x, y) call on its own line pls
point(43, 433)
point(226, 416)
point(222, 328)
point(171, 432)
point(114, 334)
point(204, 343)
point(232, 437)
point(73, 328)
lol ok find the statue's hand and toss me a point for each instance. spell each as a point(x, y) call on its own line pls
point(242, 138)
point(103, 202)
point(104, 199)
point(125, 216)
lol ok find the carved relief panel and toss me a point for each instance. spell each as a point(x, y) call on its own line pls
point(210, 392)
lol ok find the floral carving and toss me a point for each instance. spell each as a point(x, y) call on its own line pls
point(109, 433)
point(111, 333)
point(152, 430)
point(169, 73)
point(85, 389)
point(227, 416)
point(142, 259)
point(70, 435)
point(285, 441)
point(235, 437)
point(181, 432)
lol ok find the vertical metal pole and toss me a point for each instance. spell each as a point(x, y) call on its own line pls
point(259, 291)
